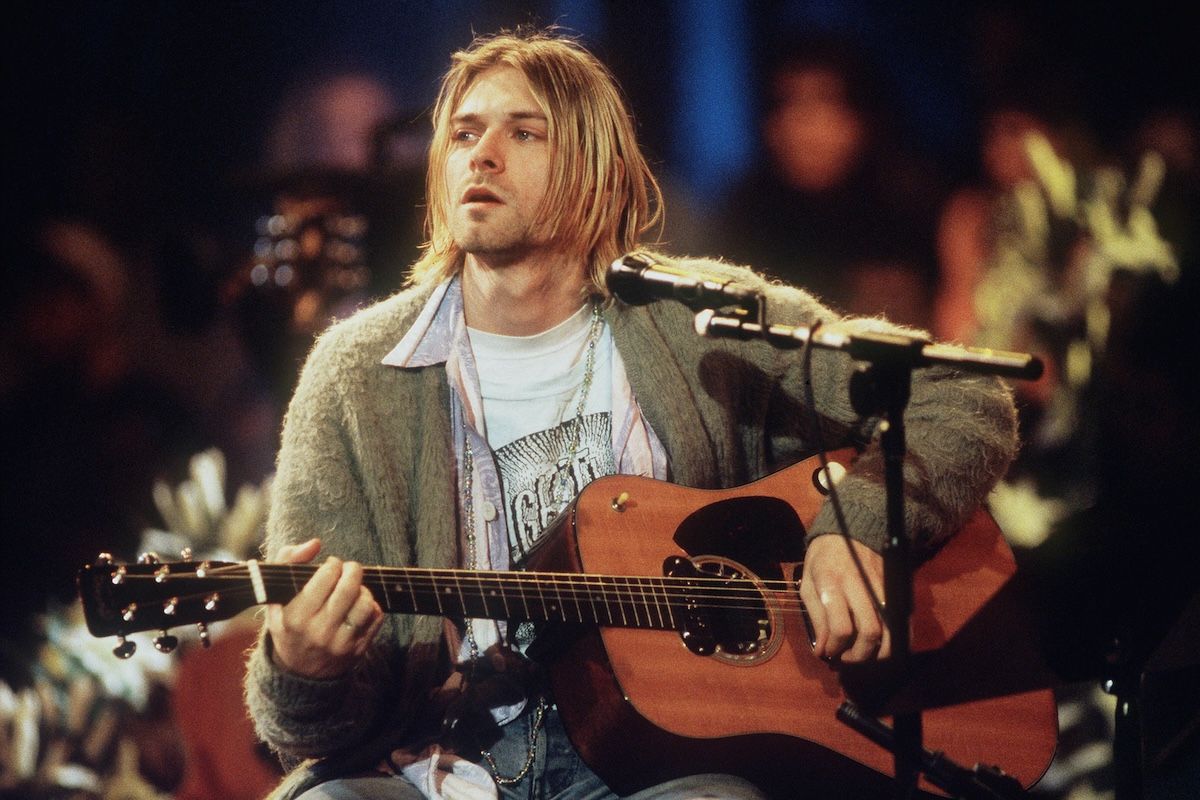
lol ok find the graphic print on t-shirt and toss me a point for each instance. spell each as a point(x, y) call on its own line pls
point(529, 468)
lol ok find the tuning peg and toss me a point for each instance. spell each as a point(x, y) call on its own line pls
point(162, 573)
point(129, 612)
point(165, 642)
point(203, 631)
point(119, 576)
point(186, 554)
point(124, 648)
point(170, 606)
point(104, 560)
point(211, 601)
point(148, 558)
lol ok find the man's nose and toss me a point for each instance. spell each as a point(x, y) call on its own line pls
point(486, 155)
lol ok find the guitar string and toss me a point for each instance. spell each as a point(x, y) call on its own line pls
point(284, 574)
point(571, 583)
point(609, 620)
point(666, 592)
point(670, 598)
point(481, 582)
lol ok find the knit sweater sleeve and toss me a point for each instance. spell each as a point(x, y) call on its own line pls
point(317, 492)
point(960, 435)
point(960, 428)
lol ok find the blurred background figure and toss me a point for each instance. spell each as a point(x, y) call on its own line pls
point(87, 422)
point(970, 220)
point(86, 425)
point(341, 186)
point(329, 123)
point(838, 205)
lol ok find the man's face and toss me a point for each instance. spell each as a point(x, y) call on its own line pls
point(498, 167)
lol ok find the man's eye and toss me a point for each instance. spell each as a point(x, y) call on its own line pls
point(465, 136)
point(526, 136)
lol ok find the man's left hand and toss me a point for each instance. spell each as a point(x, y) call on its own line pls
point(845, 623)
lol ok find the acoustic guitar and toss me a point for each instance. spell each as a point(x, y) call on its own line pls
point(681, 643)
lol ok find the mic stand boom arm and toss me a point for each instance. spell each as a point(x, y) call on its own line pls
point(871, 346)
point(882, 388)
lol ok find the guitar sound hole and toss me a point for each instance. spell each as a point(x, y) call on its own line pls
point(745, 627)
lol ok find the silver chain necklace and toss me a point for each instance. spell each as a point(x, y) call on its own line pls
point(558, 489)
point(561, 484)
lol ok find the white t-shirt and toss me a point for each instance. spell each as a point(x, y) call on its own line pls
point(531, 387)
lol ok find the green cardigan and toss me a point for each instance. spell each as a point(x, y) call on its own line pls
point(367, 464)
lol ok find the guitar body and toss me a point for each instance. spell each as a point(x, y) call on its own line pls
point(642, 708)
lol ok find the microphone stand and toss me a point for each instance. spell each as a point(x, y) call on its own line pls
point(881, 387)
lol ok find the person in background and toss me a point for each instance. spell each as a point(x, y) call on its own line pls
point(837, 205)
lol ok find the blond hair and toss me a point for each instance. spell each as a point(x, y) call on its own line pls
point(602, 196)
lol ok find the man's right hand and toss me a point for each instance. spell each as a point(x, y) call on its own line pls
point(327, 627)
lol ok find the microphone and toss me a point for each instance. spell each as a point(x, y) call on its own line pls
point(638, 279)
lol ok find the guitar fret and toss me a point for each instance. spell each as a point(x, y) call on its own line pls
point(378, 579)
point(620, 602)
point(542, 598)
point(562, 610)
point(589, 587)
point(633, 603)
point(503, 592)
point(602, 593)
point(657, 607)
point(573, 589)
point(662, 582)
point(649, 602)
point(650, 599)
point(487, 611)
point(653, 609)
point(437, 594)
point(523, 591)
point(407, 575)
point(457, 591)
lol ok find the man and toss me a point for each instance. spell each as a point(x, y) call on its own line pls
point(446, 425)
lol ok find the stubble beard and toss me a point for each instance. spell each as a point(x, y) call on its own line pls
point(498, 241)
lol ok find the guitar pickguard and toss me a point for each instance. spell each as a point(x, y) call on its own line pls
point(756, 531)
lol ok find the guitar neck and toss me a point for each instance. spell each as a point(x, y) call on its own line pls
point(119, 600)
point(621, 601)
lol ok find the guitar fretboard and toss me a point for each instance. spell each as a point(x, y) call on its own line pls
point(622, 601)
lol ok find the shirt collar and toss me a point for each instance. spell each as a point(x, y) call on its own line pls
point(430, 340)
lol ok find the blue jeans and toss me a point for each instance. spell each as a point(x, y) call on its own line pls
point(557, 774)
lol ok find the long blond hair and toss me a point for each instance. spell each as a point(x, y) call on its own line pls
point(602, 196)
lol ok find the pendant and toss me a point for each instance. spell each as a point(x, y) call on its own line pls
point(560, 491)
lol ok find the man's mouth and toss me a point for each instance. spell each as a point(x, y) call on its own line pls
point(480, 194)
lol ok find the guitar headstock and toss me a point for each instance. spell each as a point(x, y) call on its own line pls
point(120, 599)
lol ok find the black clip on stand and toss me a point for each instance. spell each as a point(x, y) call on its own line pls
point(881, 387)
point(981, 783)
